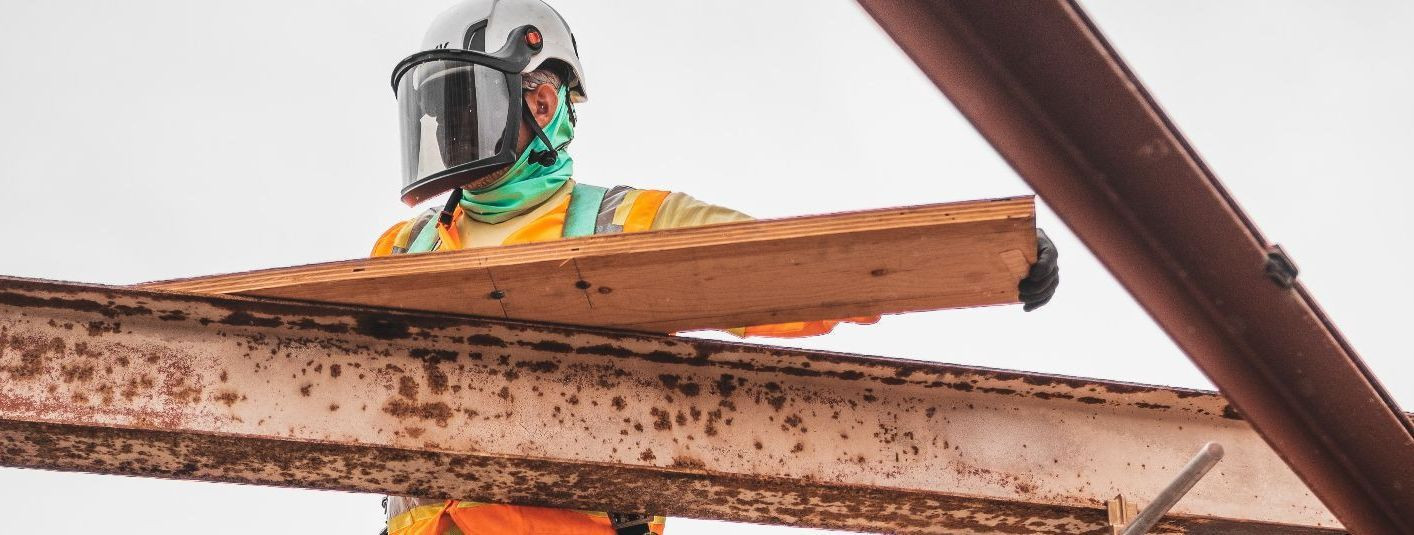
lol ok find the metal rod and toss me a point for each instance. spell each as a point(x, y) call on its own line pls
point(1208, 456)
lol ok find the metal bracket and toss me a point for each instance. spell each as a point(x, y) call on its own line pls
point(1122, 512)
point(1280, 268)
point(1124, 521)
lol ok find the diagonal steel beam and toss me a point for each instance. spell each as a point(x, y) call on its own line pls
point(122, 381)
point(1040, 82)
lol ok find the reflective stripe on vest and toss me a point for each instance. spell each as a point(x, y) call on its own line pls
point(620, 208)
point(424, 232)
point(604, 222)
point(585, 201)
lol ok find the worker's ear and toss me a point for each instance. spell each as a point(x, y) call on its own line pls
point(543, 102)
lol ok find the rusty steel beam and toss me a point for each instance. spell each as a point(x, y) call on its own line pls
point(1040, 82)
point(114, 380)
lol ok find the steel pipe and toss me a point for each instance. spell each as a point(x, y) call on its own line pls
point(1207, 457)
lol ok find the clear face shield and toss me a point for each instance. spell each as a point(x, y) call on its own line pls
point(459, 114)
point(455, 119)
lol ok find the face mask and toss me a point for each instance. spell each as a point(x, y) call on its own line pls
point(527, 184)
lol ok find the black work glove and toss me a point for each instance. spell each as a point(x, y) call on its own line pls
point(1040, 283)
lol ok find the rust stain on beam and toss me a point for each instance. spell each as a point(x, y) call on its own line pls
point(114, 380)
point(528, 481)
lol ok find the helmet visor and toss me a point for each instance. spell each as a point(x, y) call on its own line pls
point(454, 123)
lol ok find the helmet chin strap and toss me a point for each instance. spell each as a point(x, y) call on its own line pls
point(545, 158)
point(447, 217)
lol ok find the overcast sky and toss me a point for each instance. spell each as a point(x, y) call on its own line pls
point(147, 140)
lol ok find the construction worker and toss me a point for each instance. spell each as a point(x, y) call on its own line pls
point(487, 113)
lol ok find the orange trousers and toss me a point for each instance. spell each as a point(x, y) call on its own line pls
point(455, 517)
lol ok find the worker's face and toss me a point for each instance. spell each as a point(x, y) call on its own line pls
point(543, 101)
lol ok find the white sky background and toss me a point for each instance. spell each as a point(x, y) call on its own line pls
point(150, 140)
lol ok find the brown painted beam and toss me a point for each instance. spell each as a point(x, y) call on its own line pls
point(851, 264)
point(1040, 82)
point(121, 381)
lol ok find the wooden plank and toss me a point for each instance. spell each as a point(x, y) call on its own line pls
point(894, 260)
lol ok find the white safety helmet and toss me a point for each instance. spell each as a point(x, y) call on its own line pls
point(460, 98)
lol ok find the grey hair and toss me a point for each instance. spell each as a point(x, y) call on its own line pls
point(538, 77)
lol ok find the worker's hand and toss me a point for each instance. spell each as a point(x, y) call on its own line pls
point(1040, 283)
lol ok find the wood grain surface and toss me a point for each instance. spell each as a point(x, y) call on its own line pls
point(885, 261)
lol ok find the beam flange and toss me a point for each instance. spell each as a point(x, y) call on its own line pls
point(113, 380)
point(1040, 82)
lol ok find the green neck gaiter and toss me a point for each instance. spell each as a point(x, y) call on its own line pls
point(526, 184)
